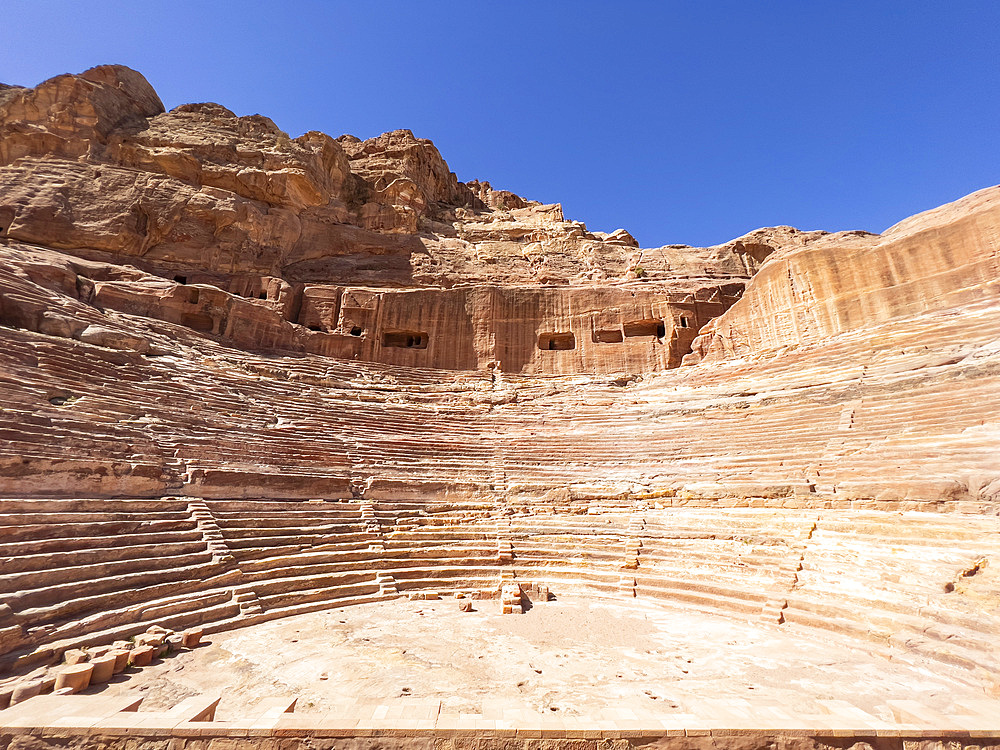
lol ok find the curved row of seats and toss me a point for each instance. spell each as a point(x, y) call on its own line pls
point(768, 426)
point(898, 418)
point(75, 568)
point(83, 571)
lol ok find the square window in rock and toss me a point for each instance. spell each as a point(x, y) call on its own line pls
point(556, 341)
point(405, 339)
point(685, 321)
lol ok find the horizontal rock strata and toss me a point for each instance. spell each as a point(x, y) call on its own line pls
point(245, 376)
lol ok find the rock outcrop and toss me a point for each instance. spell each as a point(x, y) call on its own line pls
point(335, 236)
point(946, 258)
point(244, 375)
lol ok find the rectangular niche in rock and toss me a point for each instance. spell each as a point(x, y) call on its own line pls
point(653, 327)
point(556, 341)
point(405, 339)
point(608, 336)
point(199, 321)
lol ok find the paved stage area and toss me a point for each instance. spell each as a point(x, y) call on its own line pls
point(574, 658)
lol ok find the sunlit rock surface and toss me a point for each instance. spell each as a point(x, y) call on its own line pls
point(245, 376)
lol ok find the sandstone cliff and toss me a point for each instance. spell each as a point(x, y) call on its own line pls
point(322, 245)
point(244, 375)
point(945, 258)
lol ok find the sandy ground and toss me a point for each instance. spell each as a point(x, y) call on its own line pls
point(574, 656)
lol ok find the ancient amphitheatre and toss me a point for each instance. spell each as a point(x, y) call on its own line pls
point(449, 468)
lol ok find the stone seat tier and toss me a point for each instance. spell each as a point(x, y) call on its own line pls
point(159, 505)
point(300, 512)
point(885, 633)
point(26, 550)
point(466, 580)
point(43, 519)
point(303, 603)
point(882, 620)
point(702, 595)
point(175, 612)
point(308, 559)
point(421, 531)
point(436, 548)
point(286, 527)
point(723, 560)
point(107, 529)
point(63, 601)
point(579, 580)
point(348, 539)
point(285, 569)
point(25, 588)
point(317, 589)
point(90, 553)
point(389, 562)
point(261, 558)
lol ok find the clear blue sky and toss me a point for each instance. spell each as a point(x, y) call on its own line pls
point(684, 122)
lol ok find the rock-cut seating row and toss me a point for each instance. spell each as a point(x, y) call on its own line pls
point(74, 568)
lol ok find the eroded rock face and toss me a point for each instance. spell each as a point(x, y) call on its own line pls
point(223, 347)
point(93, 166)
point(940, 259)
point(74, 115)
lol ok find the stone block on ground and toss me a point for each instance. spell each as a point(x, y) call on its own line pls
point(103, 668)
point(24, 690)
point(121, 659)
point(75, 656)
point(191, 637)
point(75, 677)
point(141, 656)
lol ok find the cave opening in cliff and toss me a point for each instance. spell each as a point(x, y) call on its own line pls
point(181, 279)
point(650, 327)
point(357, 331)
point(556, 341)
point(405, 339)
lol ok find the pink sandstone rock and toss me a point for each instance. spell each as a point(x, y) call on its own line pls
point(103, 668)
point(75, 677)
point(151, 639)
point(297, 221)
point(75, 656)
point(212, 331)
point(192, 637)
point(141, 656)
point(121, 659)
point(24, 690)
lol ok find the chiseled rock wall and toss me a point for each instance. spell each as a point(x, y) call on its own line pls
point(195, 308)
point(525, 330)
point(92, 165)
point(943, 258)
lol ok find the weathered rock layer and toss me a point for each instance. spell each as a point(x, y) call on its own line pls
point(239, 367)
point(332, 239)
